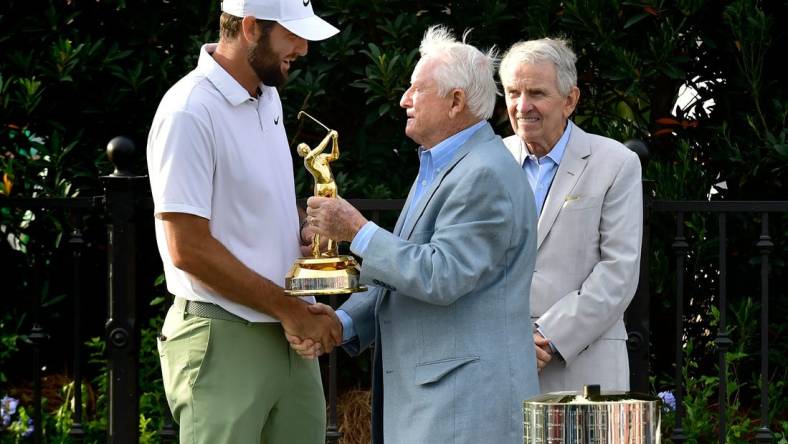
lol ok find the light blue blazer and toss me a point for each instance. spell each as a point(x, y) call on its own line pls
point(449, 310)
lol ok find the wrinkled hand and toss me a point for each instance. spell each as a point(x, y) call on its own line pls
point(318, 326)
point(310, 347)
point(543, 351)
point(307, 234)
point(334, 218)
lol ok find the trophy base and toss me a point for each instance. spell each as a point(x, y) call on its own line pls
point(323, 276)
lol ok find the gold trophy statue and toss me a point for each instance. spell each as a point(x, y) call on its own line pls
point(326, 272)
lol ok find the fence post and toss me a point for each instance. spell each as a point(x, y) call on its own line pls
point(765, 247)
point(723, 339)
point(122, 189)
point(37, 337)
point(638, 312)
point(77, 244)
point(679, 247)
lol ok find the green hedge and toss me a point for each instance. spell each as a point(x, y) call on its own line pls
point(74, 74)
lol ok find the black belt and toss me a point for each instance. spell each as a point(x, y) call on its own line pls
point(206, 310)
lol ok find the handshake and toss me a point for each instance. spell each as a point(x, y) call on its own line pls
point(314, 334)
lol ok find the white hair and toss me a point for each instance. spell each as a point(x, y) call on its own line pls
point(464, 67)
point(556, 51)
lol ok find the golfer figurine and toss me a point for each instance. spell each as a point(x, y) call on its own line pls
point(316, 162)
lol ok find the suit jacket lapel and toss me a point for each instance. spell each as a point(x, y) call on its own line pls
point(569, 170)
point(403, 214)
point(481, 135)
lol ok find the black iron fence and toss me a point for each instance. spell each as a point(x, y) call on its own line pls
point(39, 334)
point(680, 246)
point(126, 200)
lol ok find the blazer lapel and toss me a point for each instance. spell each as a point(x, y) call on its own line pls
point(403, 214)
point(569, 170)
point(481, 135)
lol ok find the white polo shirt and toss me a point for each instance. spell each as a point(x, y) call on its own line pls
point(215, 152)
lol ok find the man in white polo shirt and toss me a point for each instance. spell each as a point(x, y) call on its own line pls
point(227, 228)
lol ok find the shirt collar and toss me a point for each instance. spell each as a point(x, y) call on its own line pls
point(232, 91)
point(557, 152)
point(443, 152)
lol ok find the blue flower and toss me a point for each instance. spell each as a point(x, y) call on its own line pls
point(8, 407)
point(30, 428)
point(668, 400)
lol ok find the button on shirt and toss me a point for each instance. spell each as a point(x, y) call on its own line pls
point(432, 162)
point(541, 171)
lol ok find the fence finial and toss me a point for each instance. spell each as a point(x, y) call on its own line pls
point(120, 151)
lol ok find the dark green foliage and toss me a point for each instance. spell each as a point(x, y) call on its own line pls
point(75, 73)
point(701, 387)
point(79, 73)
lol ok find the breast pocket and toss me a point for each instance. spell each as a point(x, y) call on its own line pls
point(579, 203)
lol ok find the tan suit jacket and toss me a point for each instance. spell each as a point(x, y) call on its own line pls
point(587, 263)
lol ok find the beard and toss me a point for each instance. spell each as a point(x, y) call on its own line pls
point(266, 63)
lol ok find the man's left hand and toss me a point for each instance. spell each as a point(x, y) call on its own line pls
point(334, 218)
point(544, 354)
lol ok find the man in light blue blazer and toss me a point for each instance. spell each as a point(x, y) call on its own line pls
point(448, 302)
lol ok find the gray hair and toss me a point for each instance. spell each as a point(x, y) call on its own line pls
point(533, 52)
point(462, 66)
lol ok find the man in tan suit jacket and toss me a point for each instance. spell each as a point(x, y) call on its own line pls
point(589, 200)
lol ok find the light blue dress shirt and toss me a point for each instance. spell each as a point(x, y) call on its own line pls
point(541, 171)
point(431, 163)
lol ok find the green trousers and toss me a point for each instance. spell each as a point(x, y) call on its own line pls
point(231, 382)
